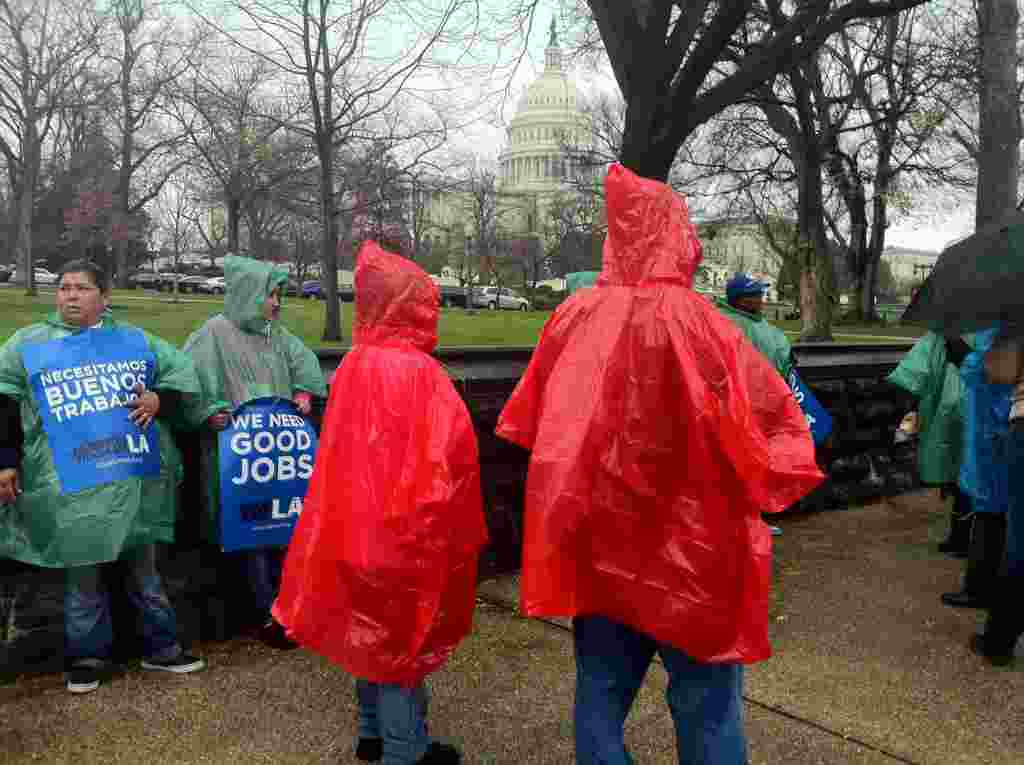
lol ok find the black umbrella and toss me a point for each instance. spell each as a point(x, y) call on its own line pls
point(976, 283)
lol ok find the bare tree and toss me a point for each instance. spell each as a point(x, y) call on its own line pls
point(45, 48)
point(327, 46)
point(679, 64)
point(175, 226)
point(148, 57)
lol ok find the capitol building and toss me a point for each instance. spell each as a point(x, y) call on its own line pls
point(532, 168)
point(533, 172)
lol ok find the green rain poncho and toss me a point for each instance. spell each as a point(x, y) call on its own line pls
point(925, 374)
point(580, 279)
point(240, 355)
point(47, 528)
point(766, 337)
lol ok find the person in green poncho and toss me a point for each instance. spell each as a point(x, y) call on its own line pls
point(743, 305)
point(929, 373)
point(84, 397)
point(242, 354)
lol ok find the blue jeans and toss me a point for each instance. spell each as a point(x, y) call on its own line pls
point(1005, 622)
point(396, 714)
point(88, 626)
point(262, 569)
point(706, 700)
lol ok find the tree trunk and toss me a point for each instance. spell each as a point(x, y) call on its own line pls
point(30, 168)
point(816, 272)
point(999, 118)
point(329, 244)
point(640, 151)
point(234, 210)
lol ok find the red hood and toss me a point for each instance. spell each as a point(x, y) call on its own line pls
point(396, 301)
point(650, 237)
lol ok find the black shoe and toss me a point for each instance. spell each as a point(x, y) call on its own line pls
point(952, 547)
point(963, 599)
point(995, 659)
point(182, 664)
point(85, 675)
point(273, 634)
point(370, 749)
point(440, 754)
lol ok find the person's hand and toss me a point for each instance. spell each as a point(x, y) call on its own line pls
point(218, 421)
point(303, 401)
point(144, 407)
point(9, 488)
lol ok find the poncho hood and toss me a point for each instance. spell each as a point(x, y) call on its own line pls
point(247, 284)
point(396, 301)
point(650, 239)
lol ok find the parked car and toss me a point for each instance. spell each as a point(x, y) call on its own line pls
point(312, 289)
point(42, 276)
point(214, 285)
point(494, 298)
point(5, 274)
point(145, 280)
point(192, 283)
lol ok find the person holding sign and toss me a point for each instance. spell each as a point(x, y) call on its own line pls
point(241, 355)
point(744, 307)
point(380, 576)
point(88, 470)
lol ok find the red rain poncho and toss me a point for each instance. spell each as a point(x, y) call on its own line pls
point(659, 436)
point(381, 570)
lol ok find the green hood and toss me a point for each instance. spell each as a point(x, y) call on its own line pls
point(247, 284)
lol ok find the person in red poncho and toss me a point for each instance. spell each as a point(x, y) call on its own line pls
point(380, 576)
point(658, 435)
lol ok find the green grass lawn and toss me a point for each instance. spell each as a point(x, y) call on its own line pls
point(175, 321)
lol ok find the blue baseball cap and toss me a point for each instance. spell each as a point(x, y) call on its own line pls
point(742, 285)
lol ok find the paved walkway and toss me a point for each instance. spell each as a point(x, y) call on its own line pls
point(869, 669)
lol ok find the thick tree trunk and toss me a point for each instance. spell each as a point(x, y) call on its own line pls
point(999, 117)
point(816, 273)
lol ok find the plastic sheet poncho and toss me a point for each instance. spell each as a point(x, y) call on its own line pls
point(765, 336)
point(659, 436)
point(926, 374)
point(579, 280)
point(984, 471)
point(47, 528)
point(240, 355)
point(380, 575)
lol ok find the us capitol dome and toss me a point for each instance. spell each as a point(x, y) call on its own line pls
point(548, 117)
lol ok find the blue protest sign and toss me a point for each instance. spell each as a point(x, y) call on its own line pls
point(818, 418)
point(81, 384)
point(266, 458)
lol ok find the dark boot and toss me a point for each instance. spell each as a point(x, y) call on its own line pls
point(959, 539)
point(370, 749)
point(985, 555)
point(441, 754)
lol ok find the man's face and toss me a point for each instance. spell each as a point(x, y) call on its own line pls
point(751, 303)
point(272, 305)
point(79, 301)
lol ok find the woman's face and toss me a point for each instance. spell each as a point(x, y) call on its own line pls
point(80, 302)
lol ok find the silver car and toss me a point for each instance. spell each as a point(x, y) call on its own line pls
point(493, 298)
